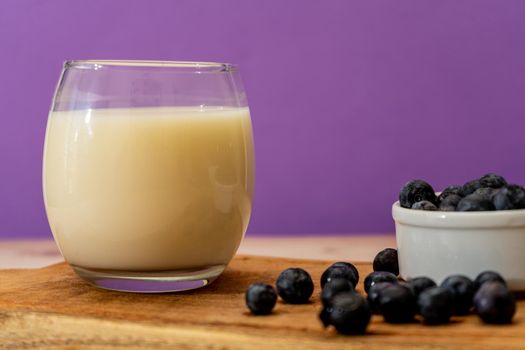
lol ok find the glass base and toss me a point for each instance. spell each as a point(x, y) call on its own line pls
point(150, 281)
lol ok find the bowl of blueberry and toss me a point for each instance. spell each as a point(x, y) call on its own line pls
point(464, 229)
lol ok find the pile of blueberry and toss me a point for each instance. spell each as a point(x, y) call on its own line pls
point(489, 192)
point(398, 301)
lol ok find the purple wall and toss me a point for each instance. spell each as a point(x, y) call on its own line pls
point(349, 98)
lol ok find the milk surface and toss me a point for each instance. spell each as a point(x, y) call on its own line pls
point(146, 189)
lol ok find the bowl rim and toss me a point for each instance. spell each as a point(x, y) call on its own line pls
point(454, 219)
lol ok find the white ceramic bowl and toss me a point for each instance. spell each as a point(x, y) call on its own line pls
point(437, 243)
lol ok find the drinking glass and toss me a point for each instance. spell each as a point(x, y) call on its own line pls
point(148, 172)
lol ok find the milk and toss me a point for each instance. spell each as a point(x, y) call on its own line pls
point(146, 189)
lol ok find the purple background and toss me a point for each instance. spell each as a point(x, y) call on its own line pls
point(349, 99)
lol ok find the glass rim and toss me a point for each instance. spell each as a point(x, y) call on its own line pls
point(195, 66)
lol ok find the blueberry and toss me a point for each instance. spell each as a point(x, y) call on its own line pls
point(494, 303)
point(450, 202)
point(295, 286)
point(424, 205)
point(324, 315)
point(261, 298)
point(419, 284)
point(488, 276)
point(349, 313)
point(509, 197)
point(486, 192)
point(334, 287)
point(379, 276)
point(340, 269)
point(470, 187)
point(462, 289)
point(435, 304)
point(373, 295)
point(492, 180)
point(397, 304)
point(386, 260)
point(474, 202)
point(416, 191)
point(450, 190)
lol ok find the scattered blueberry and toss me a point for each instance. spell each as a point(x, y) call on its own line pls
point(373, 295)
point(492, 180)
point(450, 190)
point(397, 304)
point(334, 287)
point(462, 289)
point(340, 269)
point(295, 286)
point(450, 202)
point(260, 298)
point(509, 197)
point(474, 202)
point(435, 304)
point(424, 205)
point(494, 303)
point(419, 284)
point(386, 260)
point(349, 313)
point(379, 276)
point(416, 191)
point(488, 276)
point(470, 187)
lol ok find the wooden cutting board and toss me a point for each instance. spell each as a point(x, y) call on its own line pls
point(51, 308)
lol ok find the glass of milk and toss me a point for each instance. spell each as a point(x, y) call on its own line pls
point(148, 172)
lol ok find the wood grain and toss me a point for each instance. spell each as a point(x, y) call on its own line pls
point(50, 308)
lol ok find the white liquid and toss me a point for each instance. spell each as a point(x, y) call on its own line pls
point(149, 188)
